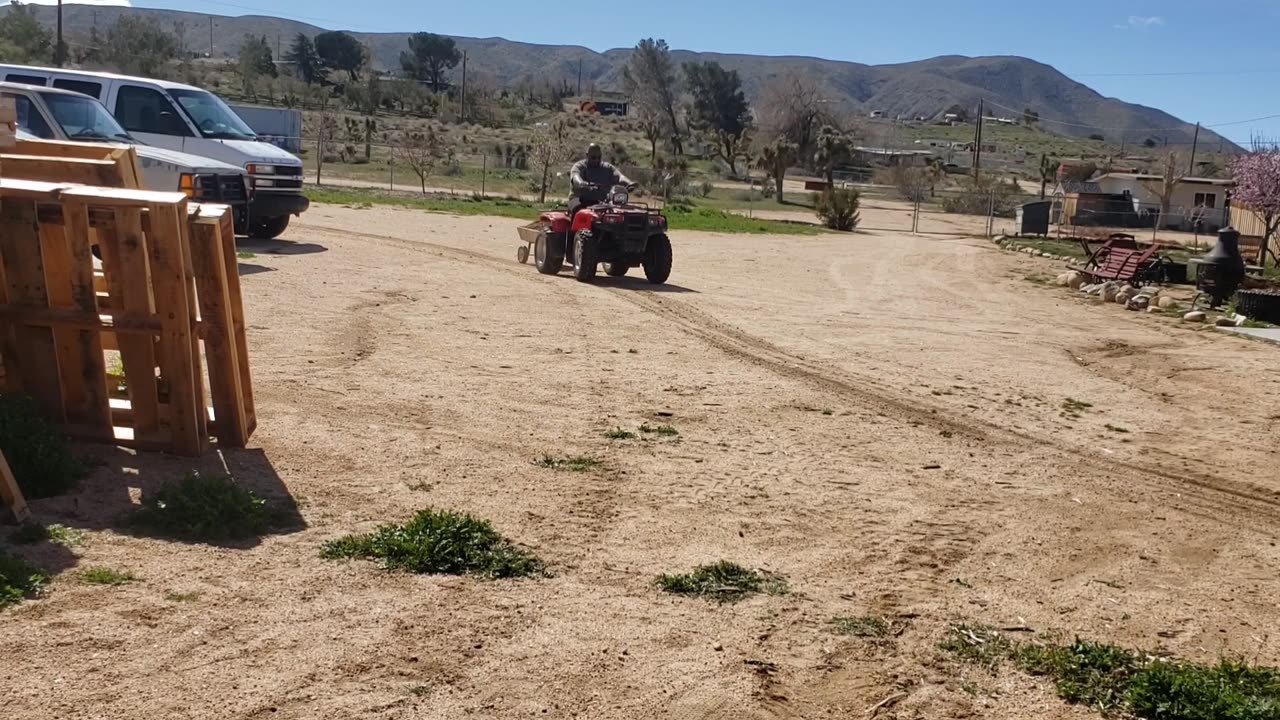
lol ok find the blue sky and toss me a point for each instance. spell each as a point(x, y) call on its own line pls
point(1225, 54)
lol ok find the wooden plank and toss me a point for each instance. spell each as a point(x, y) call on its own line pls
point(219, 332)
point(11, 494)
point(235, 301)
point(97, 197)
point(69, 284)
point(202, 417)
point(179, 365)
point(79, 320)
point(125, 264)
point(125, 157)
point(37, 358)
point(104, 173)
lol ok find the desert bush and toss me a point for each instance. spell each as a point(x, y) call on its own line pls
point(977, 197)
point(205, 508)
point(914, 184)
point(19, 579)
point(837, 208)
point(724, 582)
point(704, 189)
point(41, 461)
point(439, 542)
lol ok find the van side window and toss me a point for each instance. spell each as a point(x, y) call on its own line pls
point(29, 118)
point(26, 79)
point(92, 89)
point(145, 110)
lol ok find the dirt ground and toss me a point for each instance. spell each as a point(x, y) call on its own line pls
point(877, 417)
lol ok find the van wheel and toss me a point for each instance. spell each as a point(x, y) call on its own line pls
point(268, 228)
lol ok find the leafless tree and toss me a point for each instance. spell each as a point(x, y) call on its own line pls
point(324, 128)
point(420, 150)
point(1172, 172)
point(793, 106)
point(548, 147)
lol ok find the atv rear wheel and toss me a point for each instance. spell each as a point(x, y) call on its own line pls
point(657, 259)
point(616, 269)
point(585, 252)
point(545, 258)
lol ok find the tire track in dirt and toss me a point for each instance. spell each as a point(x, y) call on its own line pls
point(1214, 494)
point(1218, 499)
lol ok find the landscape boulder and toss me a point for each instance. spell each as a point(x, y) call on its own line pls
point(1194, 316)
point(1075, 280)
point(1167, 303)
point(1138, 302)
point(1109, 290)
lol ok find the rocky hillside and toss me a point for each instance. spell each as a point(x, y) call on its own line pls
point(923, 87)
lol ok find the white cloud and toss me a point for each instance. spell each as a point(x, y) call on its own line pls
point(1140, 22)
point(116, 3)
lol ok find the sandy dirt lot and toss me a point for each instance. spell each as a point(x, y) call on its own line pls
point(877, 417)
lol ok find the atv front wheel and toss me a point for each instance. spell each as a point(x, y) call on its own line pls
point(585, 252)
point(545, 258)
point(616, 269)
point(657, 259)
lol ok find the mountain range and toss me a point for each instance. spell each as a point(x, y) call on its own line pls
point(921, 88)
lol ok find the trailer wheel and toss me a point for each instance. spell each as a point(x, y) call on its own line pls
point(522, 254)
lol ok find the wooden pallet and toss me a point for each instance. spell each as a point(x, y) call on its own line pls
point(166, 297)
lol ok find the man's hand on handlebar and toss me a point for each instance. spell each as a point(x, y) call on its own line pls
point(632, 187)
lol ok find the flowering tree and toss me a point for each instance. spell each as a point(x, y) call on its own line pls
point(1257, 177)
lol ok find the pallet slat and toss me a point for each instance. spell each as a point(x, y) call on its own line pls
point(178, 358)
point(124, 262)
point(36, 353)
point(220, 338)
point(235, 302)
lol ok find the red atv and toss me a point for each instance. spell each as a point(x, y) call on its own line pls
point(617, 232)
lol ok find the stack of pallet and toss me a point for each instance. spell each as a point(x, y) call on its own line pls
point(165, 295)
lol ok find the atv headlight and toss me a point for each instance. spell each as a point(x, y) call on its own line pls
point(621, 197)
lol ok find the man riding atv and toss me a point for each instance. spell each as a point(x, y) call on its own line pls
point(592, 178)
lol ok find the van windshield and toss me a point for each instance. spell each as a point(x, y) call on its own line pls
point(215, 120)
point(83, 118)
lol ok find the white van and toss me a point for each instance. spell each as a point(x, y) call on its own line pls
point(52, 114)
point(188, 119)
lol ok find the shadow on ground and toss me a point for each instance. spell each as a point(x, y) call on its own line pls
point(278, 247)
point(635, 283)
point(120, 478)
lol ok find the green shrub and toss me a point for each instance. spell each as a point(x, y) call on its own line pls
point(439, 542)
point(724, 582)
point(207, 508)
point(37, 453)
point(106, 576)
point(19, 579)
point(1230, 690)
point(837, 208)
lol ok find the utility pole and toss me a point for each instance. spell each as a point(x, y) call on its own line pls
point(60, 54)
point(579, 77)
point(977, 141)
point(211, 39)
point(277, 46)
point(1195, 143)
point(463, 113)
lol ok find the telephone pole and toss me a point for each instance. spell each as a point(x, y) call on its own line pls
point(463, 114)
point(1195, 144)
point(579, 77)
point(60, 53)
point(977, 141)
point(210, 37)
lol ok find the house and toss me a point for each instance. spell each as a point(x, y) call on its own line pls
point(865, 156)
point(1195, 198)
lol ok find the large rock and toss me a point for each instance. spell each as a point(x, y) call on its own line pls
point(1124, 295)
point(1075, 280)
point(1149, 291)
point(1109, 290)
point(1194, 316)
point(1167, 303)
point(1139, 302)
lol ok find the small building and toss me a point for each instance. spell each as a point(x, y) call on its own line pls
point(887, 157)
point(1088, 204)
point(1194, 199)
